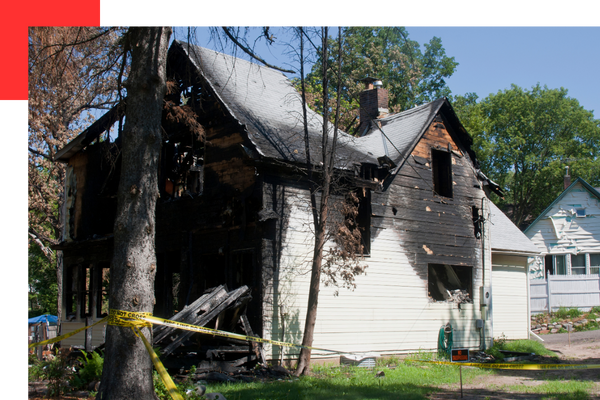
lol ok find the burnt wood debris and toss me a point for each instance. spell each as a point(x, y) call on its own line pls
point(231, 175)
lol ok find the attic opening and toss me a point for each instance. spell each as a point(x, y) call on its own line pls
point(451, 283)
point(182, 155)
point(441, 166)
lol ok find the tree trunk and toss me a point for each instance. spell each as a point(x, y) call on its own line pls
point(313, 301)
point(127, 372)
point(320, 219)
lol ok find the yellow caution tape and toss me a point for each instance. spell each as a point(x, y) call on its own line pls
point(136, 320)
point(129, 318)
point(516, 366)
point(67, 335)
point(164, 375)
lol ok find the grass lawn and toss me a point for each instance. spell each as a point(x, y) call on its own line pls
point(403, 379)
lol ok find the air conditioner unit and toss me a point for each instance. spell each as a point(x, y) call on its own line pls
point(486, 295)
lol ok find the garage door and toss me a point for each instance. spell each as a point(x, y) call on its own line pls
point(509, 301)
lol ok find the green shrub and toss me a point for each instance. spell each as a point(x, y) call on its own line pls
point(91, 370)
point(564, 313)
point(57, 371)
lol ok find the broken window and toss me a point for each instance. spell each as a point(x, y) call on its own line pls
point(477, 222)
point(86, 291)
point(183, 166)
point(71, 292)
point(363, 220)
point(357, 214)
point(453, 283)
point(102, 299)
point(182, 158)
point(441, 165)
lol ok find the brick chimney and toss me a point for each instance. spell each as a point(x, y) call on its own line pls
point(373, 103)
point(567, 179)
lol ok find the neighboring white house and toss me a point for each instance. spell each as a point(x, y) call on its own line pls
point(567, 233)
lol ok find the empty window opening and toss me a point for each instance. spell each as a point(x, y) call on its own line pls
point(183, 166)
point(357, 215)
point(451, 283)
point(441, 165)
point(86, 291)
point(477, 222)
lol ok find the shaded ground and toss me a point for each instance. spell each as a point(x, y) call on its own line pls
point(583, 349)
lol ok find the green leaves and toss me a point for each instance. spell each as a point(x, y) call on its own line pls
point(524, 139)
point(412, 77)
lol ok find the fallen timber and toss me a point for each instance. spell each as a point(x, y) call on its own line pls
point(207, 352)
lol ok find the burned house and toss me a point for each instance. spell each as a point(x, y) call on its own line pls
point(234, 210)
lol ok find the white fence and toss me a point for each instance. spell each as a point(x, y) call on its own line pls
point(569, 291)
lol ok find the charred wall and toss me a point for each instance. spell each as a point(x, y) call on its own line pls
point(93, 187)
point(433, 229)
point(207, 230)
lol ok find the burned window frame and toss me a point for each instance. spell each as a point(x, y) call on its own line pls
point(441, 170)
point(86, 291)
point(437, 274)
point(362, 219)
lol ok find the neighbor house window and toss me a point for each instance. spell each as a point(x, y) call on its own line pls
point(578, 264)
point(594, 263)
point(450, 283)
point(555, 265)
point(441, 166)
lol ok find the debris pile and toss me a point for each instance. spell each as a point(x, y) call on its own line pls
point(220, 309)
point(481, 357)
point(458, 296)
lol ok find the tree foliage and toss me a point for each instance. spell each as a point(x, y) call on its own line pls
point(72, 70)
point(411, 76)
point(524, 139)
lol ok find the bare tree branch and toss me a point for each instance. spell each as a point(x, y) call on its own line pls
point(252, 54)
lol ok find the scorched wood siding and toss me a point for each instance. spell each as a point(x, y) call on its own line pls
point(390, 310)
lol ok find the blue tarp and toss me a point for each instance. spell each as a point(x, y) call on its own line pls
point(47, 318)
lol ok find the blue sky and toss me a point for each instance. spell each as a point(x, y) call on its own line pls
point(492, 58)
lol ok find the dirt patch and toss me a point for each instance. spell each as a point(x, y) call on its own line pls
point(496, 385)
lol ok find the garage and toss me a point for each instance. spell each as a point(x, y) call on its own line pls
point(510, 281)
point(510, 311)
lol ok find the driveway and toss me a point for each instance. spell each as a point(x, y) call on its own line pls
point(561, 339)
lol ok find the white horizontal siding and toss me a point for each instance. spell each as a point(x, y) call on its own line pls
point(389, 311)
point(509, 298)
point(78, 340)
